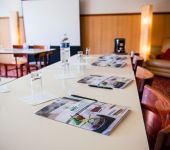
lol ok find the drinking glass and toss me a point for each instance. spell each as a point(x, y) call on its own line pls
point(87, 51)
point(36, 82)
point(80, 56)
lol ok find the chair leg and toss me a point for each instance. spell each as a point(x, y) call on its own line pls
point(17, 71)
point(22, 70)
point(28, 68)
point(6, 70)
point(0, 69)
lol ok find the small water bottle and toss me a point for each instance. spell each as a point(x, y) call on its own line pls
point(65, 49)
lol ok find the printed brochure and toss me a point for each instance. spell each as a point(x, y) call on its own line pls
point(85, 113)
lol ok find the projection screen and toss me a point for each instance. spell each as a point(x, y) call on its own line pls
point(46, 21)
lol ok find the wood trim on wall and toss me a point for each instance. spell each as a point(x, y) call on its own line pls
point(116, 14)
point(98, 32)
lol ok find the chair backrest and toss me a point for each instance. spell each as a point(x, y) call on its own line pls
point(158, 103)
point(152, 126)
point(156, 113)
point(143, 73)
point(143, 77)
point(18, 46)
point(163, 139)
point(19, 55)
point(7, 59)
point(137, 61)
point(38, 47)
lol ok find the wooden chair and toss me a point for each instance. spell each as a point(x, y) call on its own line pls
point(18, 46)
point(152, 126)
point(156, 113)
point(137, 61)
point(143, 77)
point(23, 56)
point(7, 60)
point(163, 139)
point(132, 54)
point(49, 56)
point(155, 101)
point(40, 59)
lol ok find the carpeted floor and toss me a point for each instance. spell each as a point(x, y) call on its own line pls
point(162, 84)
point(12, 71)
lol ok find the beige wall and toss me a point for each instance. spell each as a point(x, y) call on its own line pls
point(96, 6)
point(121, 6)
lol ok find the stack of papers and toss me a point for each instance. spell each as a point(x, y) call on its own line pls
point(85, 113)
point(111, 61)
point(106, 82)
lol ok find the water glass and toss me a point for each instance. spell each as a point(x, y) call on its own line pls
point(66, 67)
point(36, 82)
point(80, 56)
point(87, 51)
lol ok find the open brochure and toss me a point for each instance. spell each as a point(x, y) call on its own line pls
point(111, 61)
point(106, 82)
point(85, 113)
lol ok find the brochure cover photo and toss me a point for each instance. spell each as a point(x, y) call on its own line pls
point(111, 61)
point(85, 113)
point(106, 82)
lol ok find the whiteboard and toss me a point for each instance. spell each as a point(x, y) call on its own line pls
point(46, 21)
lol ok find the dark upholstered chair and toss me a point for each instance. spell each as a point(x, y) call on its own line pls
point(137, 61)
point(156, 113)
point(163, 139)
point(40, 59)
point(143, 77)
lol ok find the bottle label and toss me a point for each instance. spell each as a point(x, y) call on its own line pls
point(65, 45)
point(64, 52)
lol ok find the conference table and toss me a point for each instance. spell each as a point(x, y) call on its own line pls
point(22, 129)
point(23, 51)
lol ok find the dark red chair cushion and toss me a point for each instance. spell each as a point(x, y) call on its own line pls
point(166, 55)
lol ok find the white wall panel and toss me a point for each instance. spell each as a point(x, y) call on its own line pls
point(46, 21)
point(6, 6)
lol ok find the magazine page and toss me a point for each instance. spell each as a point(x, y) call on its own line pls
point(111, 61)
point(92, 79)
point(106, 82)
point(115, 82)
point(86, 114)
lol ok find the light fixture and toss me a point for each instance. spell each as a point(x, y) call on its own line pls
point(146, 29)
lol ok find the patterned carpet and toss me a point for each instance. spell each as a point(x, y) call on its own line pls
point(162, 84)
point(12, 71)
